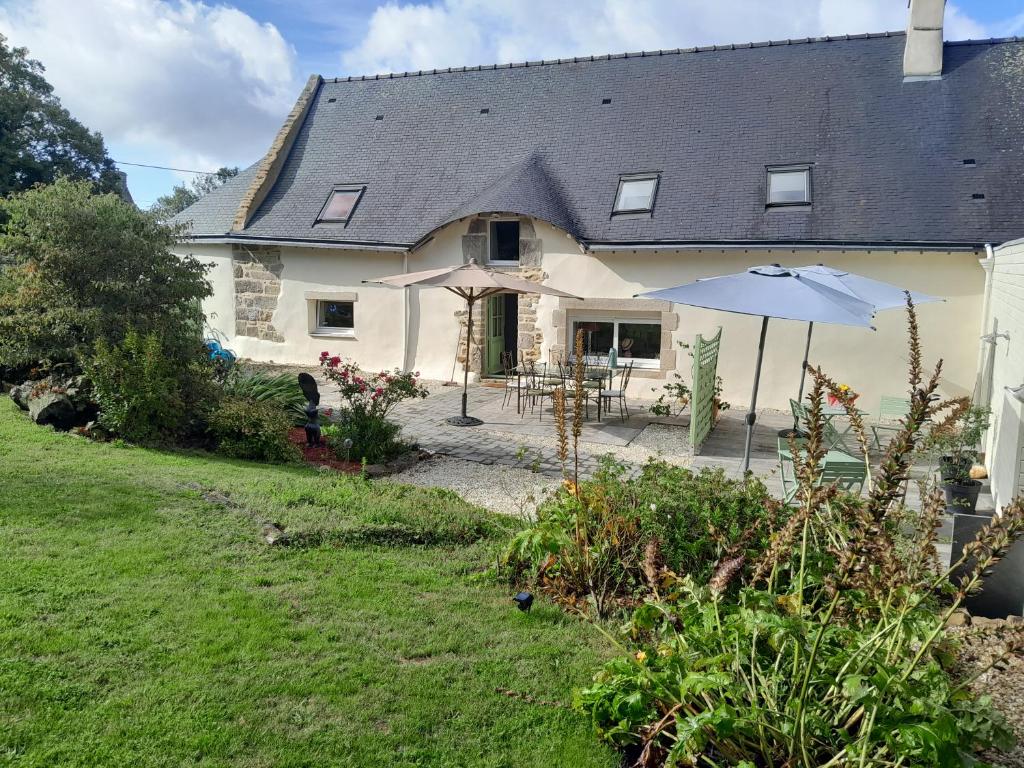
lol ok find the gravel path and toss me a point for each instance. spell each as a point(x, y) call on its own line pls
point(509, 490)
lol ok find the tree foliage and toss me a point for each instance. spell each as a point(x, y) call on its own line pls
point(183, 195)
point(84, 268)
point(39, 139)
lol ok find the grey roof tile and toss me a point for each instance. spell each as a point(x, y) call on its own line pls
point(887, 155)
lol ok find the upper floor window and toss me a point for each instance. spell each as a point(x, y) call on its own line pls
point(789, 185)
point(340, 205)
point(636, 193)
point(504, 242)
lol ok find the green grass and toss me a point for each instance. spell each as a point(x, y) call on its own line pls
point(143, 625)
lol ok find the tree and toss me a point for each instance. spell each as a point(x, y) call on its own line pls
point(83, 268)
point(182, 196)
point(39, 139)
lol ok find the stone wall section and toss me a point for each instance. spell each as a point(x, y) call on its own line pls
point(531, 253)
point(271, 164)
point(257, 275)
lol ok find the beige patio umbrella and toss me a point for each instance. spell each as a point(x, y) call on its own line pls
point(472, 282)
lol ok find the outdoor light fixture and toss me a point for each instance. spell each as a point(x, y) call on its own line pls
point(1017, 392)
point(523, 601)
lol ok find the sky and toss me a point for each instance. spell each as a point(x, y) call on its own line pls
point(196, 85)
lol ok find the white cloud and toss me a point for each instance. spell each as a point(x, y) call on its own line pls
point(446, 33)
point(201, 85)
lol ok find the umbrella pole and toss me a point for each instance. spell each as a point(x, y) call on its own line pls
point(752, 413)
point(464, 420)
point(803, 373)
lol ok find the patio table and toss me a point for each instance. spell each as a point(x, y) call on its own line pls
point(593, 378)
point(830, 412)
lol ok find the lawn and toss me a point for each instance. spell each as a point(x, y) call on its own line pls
point(143, 623)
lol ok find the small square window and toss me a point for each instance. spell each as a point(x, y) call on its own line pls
point(504, 245)
point(335, 316)
point(789, 186)
point(636, 194)
point(340, 204)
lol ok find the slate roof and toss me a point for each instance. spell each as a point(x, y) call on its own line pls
point(888, 156)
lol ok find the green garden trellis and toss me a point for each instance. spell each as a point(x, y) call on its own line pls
point(702, 396)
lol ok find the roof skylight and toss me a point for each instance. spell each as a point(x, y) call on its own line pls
point(340, 205)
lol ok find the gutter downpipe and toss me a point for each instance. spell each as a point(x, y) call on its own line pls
point(405, 313)
point(987, 264)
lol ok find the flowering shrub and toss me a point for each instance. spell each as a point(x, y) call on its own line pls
point(373, 394)
point(366, 400)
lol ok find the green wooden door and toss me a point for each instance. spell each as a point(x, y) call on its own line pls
point(495, 332)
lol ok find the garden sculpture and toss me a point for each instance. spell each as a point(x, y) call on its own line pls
point(308, 385)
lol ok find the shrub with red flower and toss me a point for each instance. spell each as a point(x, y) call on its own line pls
point(370, 394)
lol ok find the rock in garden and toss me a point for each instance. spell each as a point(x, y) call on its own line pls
point(20, 394)
point(54, 409)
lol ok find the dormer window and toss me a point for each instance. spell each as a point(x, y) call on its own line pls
point(340, 205)
point(636, 193)
point(789, 185)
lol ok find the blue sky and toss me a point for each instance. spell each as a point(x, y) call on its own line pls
point(196, 85)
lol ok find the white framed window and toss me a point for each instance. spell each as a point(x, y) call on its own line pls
point(335, 318)
point(789, 185)
point(636, 193)
point(503, 246)
point(340, 205)
point(635, 339)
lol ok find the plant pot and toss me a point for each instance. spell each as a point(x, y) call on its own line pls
point(962, 496)
point(954, 466)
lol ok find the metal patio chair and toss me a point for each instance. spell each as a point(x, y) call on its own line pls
point(618, 393)
point(891, 411)
point(837, 468)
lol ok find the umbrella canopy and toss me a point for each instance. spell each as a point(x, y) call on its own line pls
point(879, 295)
point(770, 291)
point(876, 293)
point(470, 279)
point(472, 282)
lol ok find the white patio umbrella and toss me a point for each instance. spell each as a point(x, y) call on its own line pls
point(770, 292)
point(874, 292)
point(472, 282)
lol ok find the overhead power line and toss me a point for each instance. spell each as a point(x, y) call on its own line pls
point(165, 168)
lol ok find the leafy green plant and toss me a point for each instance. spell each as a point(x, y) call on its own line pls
point(252, 429)
point(955, 439)
point(143, 394)
point(81, 267)
point(281, 389)
point(599, 541)
point(375, 440)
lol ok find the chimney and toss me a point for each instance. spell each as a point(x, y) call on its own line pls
point(922, 56)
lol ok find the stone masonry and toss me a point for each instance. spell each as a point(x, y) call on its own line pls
point(257, 272)
point(474, 246)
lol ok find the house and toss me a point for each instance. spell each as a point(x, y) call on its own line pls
point(894, 155)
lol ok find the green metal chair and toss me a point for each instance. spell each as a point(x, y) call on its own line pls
point(837, 468)
point(891, 411)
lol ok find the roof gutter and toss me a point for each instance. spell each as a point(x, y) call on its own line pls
point(806, 245)
point(343, 246)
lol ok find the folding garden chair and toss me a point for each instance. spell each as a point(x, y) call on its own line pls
point(891, 410)
point(618, 393)
point(513, 380)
